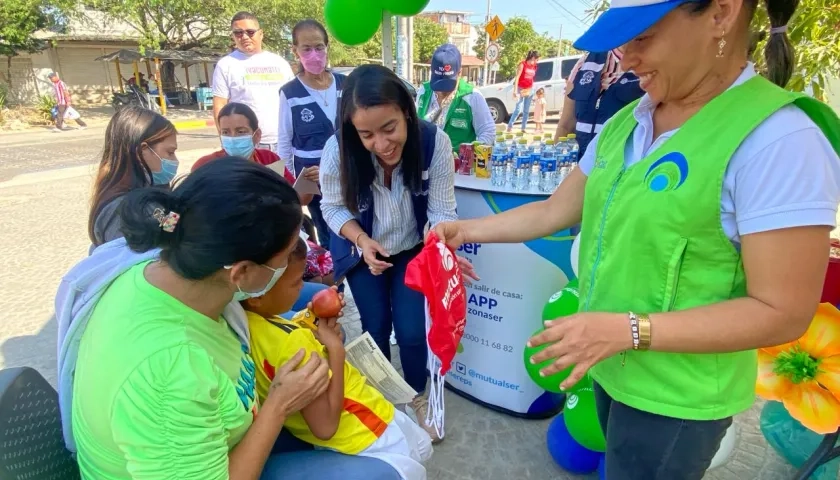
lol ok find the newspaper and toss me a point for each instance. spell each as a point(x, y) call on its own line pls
point(363, 354)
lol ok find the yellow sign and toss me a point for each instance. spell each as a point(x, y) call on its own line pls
point(495, 28)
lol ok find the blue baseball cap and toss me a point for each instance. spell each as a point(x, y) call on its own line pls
point(624, 21)
point(446, 63)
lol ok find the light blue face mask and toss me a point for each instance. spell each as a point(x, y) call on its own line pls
point(168, 170)
point(239, 146)
point(240, 295)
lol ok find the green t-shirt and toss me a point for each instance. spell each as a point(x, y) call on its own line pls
point(161, 391)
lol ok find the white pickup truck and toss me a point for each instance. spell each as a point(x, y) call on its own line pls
point(551, 75)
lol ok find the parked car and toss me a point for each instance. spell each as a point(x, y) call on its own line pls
point(551, 75)
point(408, 85)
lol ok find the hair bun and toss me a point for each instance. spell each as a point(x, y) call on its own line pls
point(147, 220)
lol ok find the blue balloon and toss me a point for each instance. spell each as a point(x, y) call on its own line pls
point(602, 468)
point(570, 455)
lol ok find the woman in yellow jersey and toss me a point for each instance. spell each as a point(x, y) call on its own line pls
point(705, 212)
point(351, 417)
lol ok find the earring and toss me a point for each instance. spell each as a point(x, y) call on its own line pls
point(721, 45)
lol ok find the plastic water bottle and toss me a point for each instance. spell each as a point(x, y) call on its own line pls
point(563, 156)
point(534, 179)
point(521, 172)
point(548, 167)
point(574, 148)
point(498, 160)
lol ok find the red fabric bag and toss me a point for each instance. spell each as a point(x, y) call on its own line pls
point(435, 273)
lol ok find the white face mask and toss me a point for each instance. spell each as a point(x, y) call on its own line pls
point(240, 295)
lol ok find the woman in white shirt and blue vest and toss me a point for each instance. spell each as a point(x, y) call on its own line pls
point(308, 106)
point(384, 176)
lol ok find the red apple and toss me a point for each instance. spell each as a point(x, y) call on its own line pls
point(326, 303)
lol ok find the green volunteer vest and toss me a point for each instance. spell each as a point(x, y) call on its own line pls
point(459, 119)
point(652, 241)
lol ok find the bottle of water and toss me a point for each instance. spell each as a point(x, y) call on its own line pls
point(534, 179)
point(574, 148)
point(498, 160)
point(522, 172)
point(563, 159)
point(548, 167)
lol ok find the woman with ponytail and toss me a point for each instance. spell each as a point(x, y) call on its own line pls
point(308, 112)
point(156, 376)
point(705, 213)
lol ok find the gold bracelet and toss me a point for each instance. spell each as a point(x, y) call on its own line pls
point(357, 240)
point(644, 332)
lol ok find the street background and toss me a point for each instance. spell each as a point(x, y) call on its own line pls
point(45, 183)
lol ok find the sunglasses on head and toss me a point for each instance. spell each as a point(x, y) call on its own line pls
point(241, 33)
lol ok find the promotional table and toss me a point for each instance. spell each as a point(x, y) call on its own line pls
point(504, 308)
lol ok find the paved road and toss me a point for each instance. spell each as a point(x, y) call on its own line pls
point(44, 199)
point(43, 150)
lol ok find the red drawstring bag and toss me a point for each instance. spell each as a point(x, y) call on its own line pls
point(435, 273)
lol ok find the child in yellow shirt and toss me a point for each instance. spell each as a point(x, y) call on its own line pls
point(351, 417)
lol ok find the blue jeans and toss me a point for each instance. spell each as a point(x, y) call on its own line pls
point(384, 301)
point(325, 465)
point(526, 109)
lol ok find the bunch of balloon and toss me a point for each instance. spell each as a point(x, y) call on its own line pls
point(354, 22)
point(561, 304)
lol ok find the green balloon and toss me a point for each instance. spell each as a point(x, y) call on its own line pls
point(581, 417)
point(352, 22)
point(404, 8)
point(563, 303)
point(551, 382)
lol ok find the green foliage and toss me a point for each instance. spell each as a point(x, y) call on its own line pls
point(428, 36)
point(519, 37)
point(814, 32)
point(19, 19)
point(45, 105)
point(4, 95)
point(173, 24)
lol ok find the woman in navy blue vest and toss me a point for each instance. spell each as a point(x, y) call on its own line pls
point(384, 176)
point(308, 106)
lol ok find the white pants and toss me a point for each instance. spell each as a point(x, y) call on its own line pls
point(404, 445)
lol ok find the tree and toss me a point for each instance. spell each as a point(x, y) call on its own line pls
point(19, 20)
point(518, 38)
point(428, 36)
point(815, 34)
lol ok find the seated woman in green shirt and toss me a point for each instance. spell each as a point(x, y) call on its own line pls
point(164, 386)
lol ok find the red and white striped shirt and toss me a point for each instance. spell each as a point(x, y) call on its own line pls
point(61, 95)
point(609, 74)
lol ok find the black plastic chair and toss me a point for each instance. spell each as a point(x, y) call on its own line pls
point(31, 443)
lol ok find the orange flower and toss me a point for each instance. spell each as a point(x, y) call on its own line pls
point(805, 375)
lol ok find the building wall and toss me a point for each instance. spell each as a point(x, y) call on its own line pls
point(833, 91)
point(90, 82)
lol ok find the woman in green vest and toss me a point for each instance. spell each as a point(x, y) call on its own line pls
point(705, 212)
point(452, 103)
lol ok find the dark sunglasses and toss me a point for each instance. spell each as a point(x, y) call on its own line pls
point(249, 32)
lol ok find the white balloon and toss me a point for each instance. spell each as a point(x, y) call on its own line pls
point(575, 254)
point(726, 447)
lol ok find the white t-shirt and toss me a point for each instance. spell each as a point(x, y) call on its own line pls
point(785, 174)
point(255, 81)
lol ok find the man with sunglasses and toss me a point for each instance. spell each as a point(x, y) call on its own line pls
point(252, 76)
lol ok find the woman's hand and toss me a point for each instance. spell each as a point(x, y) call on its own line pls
point(467, 270)
point(294, 388)
point(582, 340)
point(370, 248)
point(311, 173)
point(515, 93)
point(452, 234)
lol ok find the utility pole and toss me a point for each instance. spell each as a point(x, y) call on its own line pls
point(486, 44)
point(409, 33)
point(402, 46)
point(560, 49)
point(387, 41)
